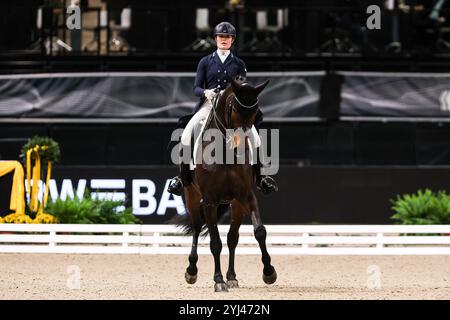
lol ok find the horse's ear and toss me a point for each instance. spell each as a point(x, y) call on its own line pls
point(236, 86)
point(261, 86)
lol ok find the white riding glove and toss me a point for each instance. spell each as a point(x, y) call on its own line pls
point(209, 94)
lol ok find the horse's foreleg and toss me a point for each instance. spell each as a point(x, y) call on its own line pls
point(269, 273)
point(191, 270)
point(232, 241)
point(215, 244)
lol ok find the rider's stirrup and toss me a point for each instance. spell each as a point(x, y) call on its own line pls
point(183, 179)
point(175, 186)
point(267, 185)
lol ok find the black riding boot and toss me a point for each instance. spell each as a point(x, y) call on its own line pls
point(182, 180)
point(265, 184)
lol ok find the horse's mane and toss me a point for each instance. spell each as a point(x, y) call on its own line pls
point(223, 98)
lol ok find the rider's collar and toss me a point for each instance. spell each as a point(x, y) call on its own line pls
point(214, 53)
point(223, 53)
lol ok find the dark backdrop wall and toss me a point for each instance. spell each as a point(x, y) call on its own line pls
point(301, 143)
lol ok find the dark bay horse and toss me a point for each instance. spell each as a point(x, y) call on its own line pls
point(216, 186)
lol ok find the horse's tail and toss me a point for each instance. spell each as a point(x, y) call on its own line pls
point(187, 225)
point(184, 222)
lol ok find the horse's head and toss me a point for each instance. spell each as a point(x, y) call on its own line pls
point(244, 103)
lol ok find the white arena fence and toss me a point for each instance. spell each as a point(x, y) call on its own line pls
point(281, 239)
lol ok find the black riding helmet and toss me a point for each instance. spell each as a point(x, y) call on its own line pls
point(225, 28)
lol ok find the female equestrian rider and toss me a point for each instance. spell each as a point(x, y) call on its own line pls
point(215, 71)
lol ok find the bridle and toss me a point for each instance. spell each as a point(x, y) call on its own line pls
point(243, 105)
point(229, 108)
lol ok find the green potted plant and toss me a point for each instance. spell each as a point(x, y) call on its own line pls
point(424, 207)
point(90, 210)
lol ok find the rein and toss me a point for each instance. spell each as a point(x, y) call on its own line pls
point(219, 124)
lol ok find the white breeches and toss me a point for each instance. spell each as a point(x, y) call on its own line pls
point(203, 114)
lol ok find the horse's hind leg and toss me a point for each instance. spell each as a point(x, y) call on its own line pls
point(269, 273)
point(194, 207)
point(232, 241)
point(215, 244)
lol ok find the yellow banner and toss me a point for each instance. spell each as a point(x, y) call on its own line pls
point(17, 201)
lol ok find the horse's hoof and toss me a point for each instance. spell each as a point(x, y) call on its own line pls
point(271, 278)
point(221, 287)
point(232, 284)
point(191, 279)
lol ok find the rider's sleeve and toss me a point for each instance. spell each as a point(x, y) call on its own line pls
point(200, 79)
